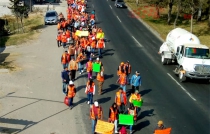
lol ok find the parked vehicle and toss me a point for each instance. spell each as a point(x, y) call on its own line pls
point(51, 17)
point(120, 3)
point(184, 48)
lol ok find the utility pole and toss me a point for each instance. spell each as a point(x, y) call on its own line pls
point(191, 25)
point(30, 6)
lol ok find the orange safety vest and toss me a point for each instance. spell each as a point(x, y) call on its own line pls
point(59, 37)
point(71, 91)
point(92, 16)
point(101, 44)
point(89, 66)
point(64, 59)
point(122, 80)
point(79, 57)
point(129, 69)
point(69, 16)
point(93, 114)
point(68, 34)
point(59, 26)
point(63, 24)
point(90, 88)
point(113, 115)
point(100, 78)
point(93, 44)
point(64, 38)
point(133, 112)
point(118, 99)
point(119, 72)
point(73, 66)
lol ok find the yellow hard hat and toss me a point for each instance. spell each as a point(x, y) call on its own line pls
point(160, 123)
point(122, 63)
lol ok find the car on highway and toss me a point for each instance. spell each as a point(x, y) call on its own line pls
point(51, 17)
point(120, 3)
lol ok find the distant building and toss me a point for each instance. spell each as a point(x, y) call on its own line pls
point(4, 10)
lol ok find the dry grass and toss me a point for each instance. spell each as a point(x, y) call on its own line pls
point(31, 26)
point(147, 14)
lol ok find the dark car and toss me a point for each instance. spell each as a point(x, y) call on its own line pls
point(51, 17)
point(120, 3)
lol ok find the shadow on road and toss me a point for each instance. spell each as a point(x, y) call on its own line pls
point(5, 130)
point(3, 56)
point(146, 113)
point(106, 76)
point(111, 88)
point(146, 91)
point(80, 101)
point(141, 125)
point(81, 87)
point(103, 100)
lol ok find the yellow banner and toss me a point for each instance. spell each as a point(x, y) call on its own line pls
point(81, 33)
point(103, 127)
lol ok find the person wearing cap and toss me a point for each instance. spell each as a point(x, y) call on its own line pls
point(122, 80)
point(96, 113)
point(59, 39)
point(98, 61)
point(160, 126)
point(71, 92)
point(64, 40)
point(121, 100)
point(128, 70)
point(64, 60)
point(65, 78)
point(121, 68)
point(89, 66)
point(135, 81)
point(100, 46)
point(80, 60)
point(90, 91)
point(135, 96)
point(73, 67)
point(100, 79)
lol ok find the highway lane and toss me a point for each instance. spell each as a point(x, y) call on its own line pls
point(163, 97)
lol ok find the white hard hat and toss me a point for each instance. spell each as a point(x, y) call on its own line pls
point(71, 82)
point(97, 58)
point(96, 103)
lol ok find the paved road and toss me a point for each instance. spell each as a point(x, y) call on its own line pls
point(182, 106)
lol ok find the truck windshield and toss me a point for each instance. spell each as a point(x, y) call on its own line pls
point(197, 53)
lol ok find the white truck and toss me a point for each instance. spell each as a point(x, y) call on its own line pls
point(184, 48)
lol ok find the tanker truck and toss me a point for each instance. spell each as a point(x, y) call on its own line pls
point(183, 48)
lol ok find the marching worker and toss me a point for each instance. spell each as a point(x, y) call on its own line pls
point(64, 60)
point(135, 96)
point(64, 40)
point(160, 126)
point(100, 45)
point(89, 66)
point(73, 67)
point(59, 39)
point(71, 92)
point(113, 115)
point(122, 80)
point(132, 111)
point(120, 68)
point(59, 25)
point(72, 51)
point(100, 79)
point(135, 81)
point(99, 62)
point(128, 70)
point(65, 79)
point(121, 100)
point(80, 60)
point(96, 113)
point(90, 91)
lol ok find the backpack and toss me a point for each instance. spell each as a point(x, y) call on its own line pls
point(88, 48)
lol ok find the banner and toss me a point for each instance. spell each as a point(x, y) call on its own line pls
point(164, 131)
point(100, 35)
point(77, 33)
point(96, 67)
point(103, 127)
point(126, 119)
point(81, 33)
point(137, 103)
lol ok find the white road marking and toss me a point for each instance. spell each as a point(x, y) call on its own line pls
point(182, 87)
point(137, 41)
point(119, 19)
point(110, 6)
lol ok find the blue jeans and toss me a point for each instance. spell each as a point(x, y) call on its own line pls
point(92, 50)
point(80, 66)
point(64, 87)
point(123, 87)
point(65, 65)
point(64, 44)
point(131, 126)
point(128, 79)
point(100, 51)
point(93, 125)
point(72, 57)
point(70, 102)
point(90, 97)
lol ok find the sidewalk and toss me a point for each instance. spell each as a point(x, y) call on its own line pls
point(31, 98)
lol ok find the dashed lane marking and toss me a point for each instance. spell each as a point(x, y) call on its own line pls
point(110, 6)
point(137, 41)
point(119, 19)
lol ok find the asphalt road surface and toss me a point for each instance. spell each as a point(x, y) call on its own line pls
point(182, 106)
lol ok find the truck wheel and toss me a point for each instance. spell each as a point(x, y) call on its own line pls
point(163, 60)
point(182, 78)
